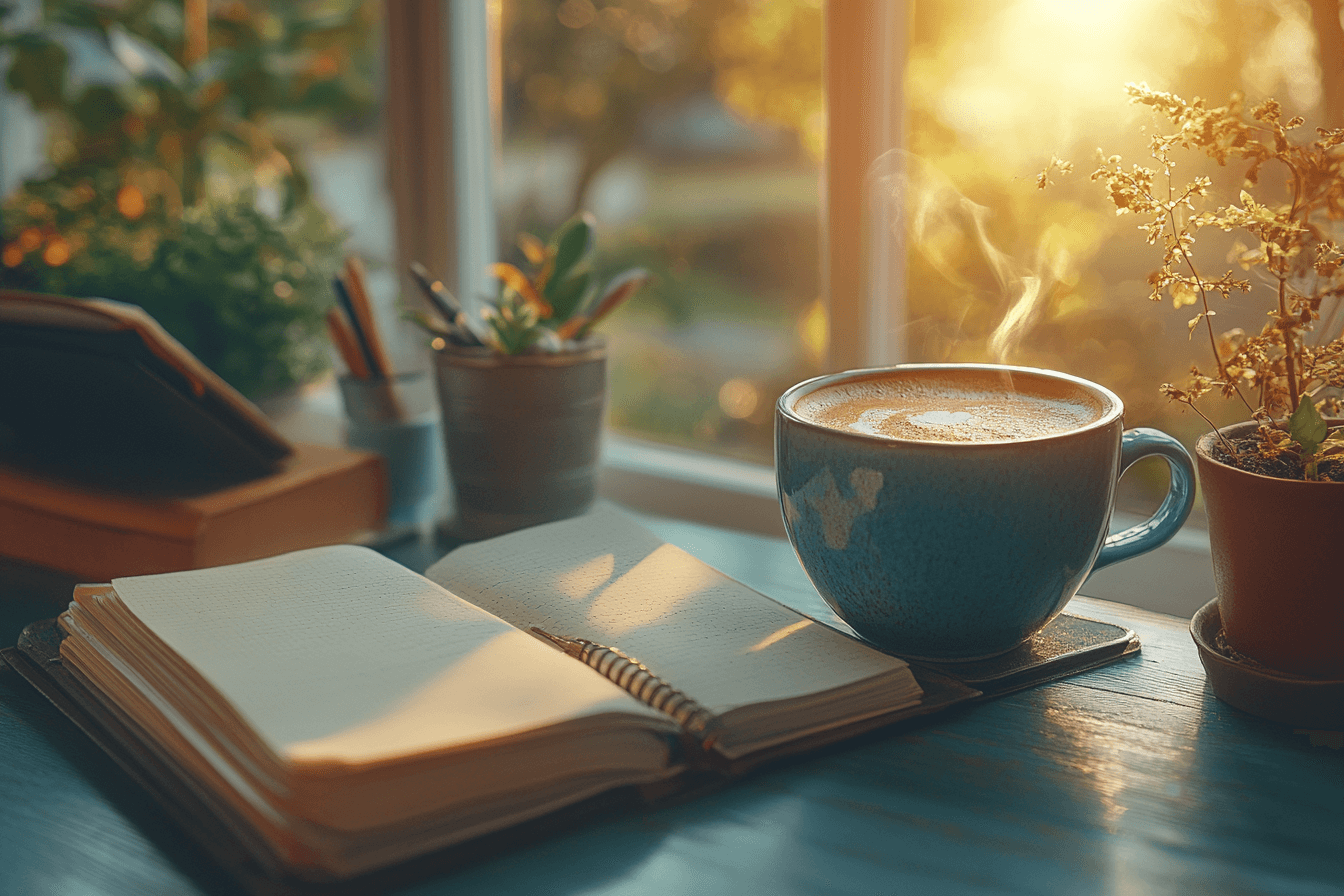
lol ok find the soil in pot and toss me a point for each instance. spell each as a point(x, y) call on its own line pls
point(1284, 466)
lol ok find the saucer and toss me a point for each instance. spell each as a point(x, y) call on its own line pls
point(1249, 686)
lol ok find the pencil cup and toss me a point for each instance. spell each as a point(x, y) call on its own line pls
point(398, 417)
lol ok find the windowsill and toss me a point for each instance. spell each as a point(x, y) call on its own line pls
point(691, 486)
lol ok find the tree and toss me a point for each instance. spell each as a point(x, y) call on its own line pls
point(592, 72)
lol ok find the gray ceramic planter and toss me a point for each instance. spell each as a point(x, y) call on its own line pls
point(522, 434)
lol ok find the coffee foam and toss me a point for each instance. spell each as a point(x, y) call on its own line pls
point(947, 409)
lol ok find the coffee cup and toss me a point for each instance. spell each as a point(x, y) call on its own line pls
point(948, 512)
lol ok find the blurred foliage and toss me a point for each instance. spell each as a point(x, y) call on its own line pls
point(242, 290)
point(995, 270)
point(594, 72)
point(173, 180)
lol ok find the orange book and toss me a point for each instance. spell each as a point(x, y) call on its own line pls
point(319, 495)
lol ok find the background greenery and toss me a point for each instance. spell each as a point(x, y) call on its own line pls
point(173, 180)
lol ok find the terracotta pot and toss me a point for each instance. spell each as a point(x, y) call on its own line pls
point(1276, 563)
point(523, 435)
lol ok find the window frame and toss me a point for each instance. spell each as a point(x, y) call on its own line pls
point(442, 93)
point(441, 87)
point(441, 98)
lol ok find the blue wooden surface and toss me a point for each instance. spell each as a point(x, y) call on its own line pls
point(1130, 779)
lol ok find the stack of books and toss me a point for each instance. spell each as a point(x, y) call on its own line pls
point(121, 454)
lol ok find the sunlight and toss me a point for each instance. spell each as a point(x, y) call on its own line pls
point(652, 590)
point(779, 635)
point(586, 578)
point(1084, 16)
point(1003, 91)
point(504, 684)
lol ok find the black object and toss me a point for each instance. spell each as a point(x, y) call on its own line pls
point(97, 393)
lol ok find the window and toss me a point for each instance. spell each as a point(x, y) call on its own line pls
point(998, 269)
point(693, 132)
point(691, 129)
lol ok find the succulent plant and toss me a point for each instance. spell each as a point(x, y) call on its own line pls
point(549, 307)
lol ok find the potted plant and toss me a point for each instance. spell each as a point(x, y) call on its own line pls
point(1273, 485)
point(522, 384)
point(169, 183)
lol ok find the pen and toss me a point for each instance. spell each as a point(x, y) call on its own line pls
point(446, 304)
point(344, 339)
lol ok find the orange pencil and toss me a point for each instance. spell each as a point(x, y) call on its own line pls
point(344, 339)
point(359, 298)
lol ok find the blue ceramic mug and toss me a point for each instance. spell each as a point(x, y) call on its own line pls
point(949, 511)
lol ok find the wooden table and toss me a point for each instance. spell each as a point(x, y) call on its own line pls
point(1131, 779)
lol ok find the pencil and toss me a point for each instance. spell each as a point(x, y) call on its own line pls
point(363, 309)
point(344, 339)
point(356, 328)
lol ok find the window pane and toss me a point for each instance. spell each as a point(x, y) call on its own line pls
point(692, 132)
point(1001, 270)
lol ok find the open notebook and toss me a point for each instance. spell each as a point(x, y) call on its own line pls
point(347, 713)
point(321, 714)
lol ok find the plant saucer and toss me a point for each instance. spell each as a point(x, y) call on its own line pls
point(1255, 688)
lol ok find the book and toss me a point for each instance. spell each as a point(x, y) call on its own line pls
point(318, 495)
point(325, 713)
point(97, 391)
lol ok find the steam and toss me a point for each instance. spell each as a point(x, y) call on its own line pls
point(938, 218)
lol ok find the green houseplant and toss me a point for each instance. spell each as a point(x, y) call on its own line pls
point(1273, 485)
point(522, 384)
point(169, 184)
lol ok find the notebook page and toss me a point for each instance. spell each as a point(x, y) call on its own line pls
point(340, 654)
point(605, 578)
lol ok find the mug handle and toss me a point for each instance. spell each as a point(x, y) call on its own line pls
point(1136, 444)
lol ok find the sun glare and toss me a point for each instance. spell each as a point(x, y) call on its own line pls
point(1047, 73)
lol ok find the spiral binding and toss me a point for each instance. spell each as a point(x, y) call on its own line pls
point(637, 679)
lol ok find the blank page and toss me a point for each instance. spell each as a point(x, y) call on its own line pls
point(605, 578)
point(340, 654)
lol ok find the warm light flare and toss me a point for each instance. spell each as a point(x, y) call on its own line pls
point(779, 635)
point(57, 252)
point(130, 202)
point(738, 398)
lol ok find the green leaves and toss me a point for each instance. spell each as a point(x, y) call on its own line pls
point(38, 71)
point(1307, 427)
point(568, 280)
point(572, 244)
point(562, 297)
point(566, 295)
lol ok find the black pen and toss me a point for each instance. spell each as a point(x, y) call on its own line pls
point(361, 338)
point(445, 303)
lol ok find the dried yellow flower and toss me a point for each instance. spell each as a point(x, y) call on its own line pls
point(1296, 246)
